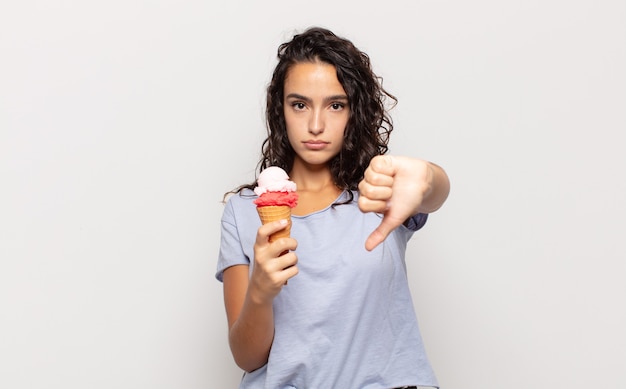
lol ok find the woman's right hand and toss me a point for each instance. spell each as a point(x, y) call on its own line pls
point(274, 263)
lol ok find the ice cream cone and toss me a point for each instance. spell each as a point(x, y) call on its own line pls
point(270, 213)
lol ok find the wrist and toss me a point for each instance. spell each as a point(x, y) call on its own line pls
point(257, 297)
point(437, 189)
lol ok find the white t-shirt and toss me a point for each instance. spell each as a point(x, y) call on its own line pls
point(347, 319)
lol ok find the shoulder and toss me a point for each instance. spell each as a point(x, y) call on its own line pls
point(241, 199)
point(239, 205)
point(243, 196)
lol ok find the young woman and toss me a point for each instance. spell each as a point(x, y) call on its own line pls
point(345, 319)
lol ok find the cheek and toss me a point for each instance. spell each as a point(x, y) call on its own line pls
point(289, 126)
point(341, 121)
point(296, 126)
point(340, 129)
point(291, 134)
point(291, 122)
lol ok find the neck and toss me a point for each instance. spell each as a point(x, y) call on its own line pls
point(316, 188)
point(311, 178)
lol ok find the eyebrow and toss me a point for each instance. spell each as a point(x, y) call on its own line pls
point(308, 99)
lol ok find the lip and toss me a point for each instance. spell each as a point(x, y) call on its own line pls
point(315, 144)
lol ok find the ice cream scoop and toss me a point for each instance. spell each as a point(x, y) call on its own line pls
point(274, 179)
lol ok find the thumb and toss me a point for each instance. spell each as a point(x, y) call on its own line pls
point(388, 224)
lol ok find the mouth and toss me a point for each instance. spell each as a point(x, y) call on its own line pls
point(315, 144)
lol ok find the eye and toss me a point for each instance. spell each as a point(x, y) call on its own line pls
point(337, 106)
point(298, 106)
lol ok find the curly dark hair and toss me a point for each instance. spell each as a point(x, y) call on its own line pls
point(369, 125)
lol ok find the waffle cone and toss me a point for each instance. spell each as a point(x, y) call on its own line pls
point(272, 213)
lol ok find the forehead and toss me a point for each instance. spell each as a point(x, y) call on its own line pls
point(313, 77)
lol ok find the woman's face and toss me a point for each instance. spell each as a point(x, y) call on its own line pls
point(316, 112)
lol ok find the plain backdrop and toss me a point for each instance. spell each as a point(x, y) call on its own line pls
point(122, 124)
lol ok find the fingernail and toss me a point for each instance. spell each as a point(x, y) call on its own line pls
point(283, 222)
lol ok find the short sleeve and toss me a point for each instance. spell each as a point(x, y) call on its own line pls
point(416, 222)
point(231, 251)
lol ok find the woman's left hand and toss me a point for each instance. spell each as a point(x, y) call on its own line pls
point(400, 187)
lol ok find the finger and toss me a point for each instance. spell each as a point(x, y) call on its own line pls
point(268, 229)
point(274, 267)
point(290, 272)
point(284, 245)
point(377, 178)
point(373, 192)
point(286, 260)
point(286, 266)
point(369, 205)
point(388, 224)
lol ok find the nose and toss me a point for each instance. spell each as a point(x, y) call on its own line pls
point(316, 122)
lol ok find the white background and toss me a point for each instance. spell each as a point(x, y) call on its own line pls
point(122, 123)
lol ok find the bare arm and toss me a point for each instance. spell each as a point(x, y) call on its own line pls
point(248, 299)
point(250, 334)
